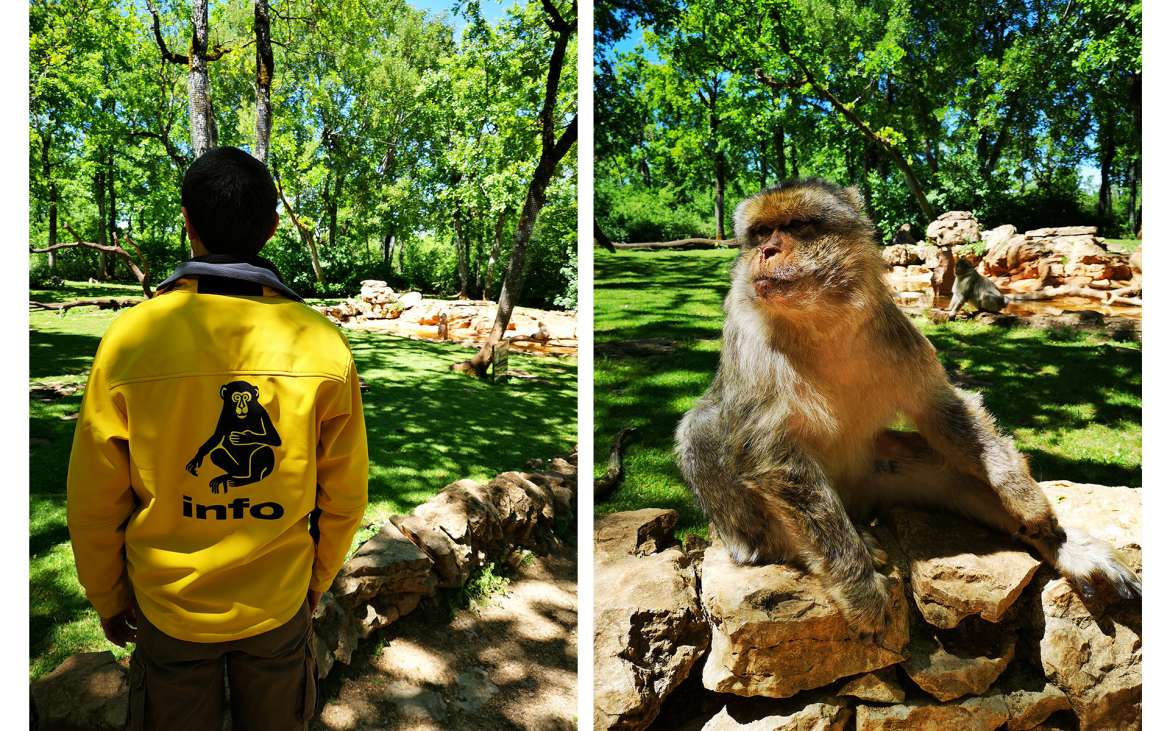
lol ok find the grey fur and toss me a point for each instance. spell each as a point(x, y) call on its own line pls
point(971, 286)
point(788, 448)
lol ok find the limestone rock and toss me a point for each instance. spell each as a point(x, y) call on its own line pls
point(1030, 698)
point(972, 714)
point(775, 631)
point(635, 532)
point(1062, 231)
point(830, 715)
point(87, 692)
point(335, 634)
point(1090, 651)
point(1111, 514)
point(1094, 656)
point(410, 299)
point(957, 568)
point(953, 228)
point(451, 565)
point(901, 254)
point(950, 665)
point(387, 563)
point(648, 632)
point(998, 235)
point(878, 687)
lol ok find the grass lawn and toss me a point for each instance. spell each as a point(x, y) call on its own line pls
point(426, 426)
point(1071, 400)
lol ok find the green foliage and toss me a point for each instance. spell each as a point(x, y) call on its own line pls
point(403, 128)
point(997, 108)
point(1072, 403)
point(484, 584)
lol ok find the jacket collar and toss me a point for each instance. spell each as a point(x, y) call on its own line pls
point(256, 269)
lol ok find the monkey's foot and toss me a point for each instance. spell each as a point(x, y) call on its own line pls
point(866, 605)
point(218, 482)
point(879, 556)
point(1088, 562)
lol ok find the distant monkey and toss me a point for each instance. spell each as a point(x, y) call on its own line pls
point(243, 439)
point(788, 450)
point(971, 286)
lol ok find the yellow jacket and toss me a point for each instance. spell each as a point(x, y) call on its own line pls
point(211, 427)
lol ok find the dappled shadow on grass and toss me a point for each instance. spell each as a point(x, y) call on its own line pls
point(72, 290)
point(425, 423)
point(1058, 393)
point(53, 353)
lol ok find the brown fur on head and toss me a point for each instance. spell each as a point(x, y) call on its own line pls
point(806, 245)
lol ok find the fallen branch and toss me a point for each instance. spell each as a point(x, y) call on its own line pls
point(142, 274)
point(680, 244)
point(604, 486)
point(102, 304)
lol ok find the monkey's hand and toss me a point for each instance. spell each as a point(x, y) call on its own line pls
point(866, 604)
point(1088, 563)
point(195, 463)
point(238, 437)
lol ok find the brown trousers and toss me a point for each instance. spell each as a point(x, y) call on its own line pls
point(176, 685)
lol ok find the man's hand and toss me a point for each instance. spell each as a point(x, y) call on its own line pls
point(314, 600)
point(121, 628)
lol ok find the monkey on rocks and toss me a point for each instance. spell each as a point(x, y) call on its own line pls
point(788, 451)
point(971, 286)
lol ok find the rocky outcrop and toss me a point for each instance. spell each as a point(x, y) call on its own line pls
point(775, 631)
point(972, 714)
point(958, 569)
point(828, 715)
point(464, 526)
point(953, 228)
point(648, 626)
point(984, 638)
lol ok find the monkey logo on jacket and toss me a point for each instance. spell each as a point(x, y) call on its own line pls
point(243, 440)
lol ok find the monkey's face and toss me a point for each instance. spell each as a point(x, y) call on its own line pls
point(802, 245)
point(241, 400)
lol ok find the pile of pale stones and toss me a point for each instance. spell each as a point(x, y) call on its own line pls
point(437, 546)
point(376, 301)
point(983, 635)
point(1046, 258)
point(468, 322)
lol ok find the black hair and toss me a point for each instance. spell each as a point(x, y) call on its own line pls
point(231, 201)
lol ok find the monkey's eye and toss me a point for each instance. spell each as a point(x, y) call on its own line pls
point(762, 231)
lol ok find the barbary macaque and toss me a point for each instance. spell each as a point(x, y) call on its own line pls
point(971, 286)
point(788, 451)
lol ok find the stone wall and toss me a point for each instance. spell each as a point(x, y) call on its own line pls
point(463, 527)
point(983, 636)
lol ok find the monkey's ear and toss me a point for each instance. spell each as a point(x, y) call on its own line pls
point(223, 391)
point(854, 198)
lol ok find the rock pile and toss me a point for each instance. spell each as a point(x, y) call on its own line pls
point(1045, 262)
point(463, 527)
point(983, 636)
point(468, 322)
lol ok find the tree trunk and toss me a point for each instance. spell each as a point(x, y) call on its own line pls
point(203, 136)
point(264, 69)
point(112, 211)
point(494, 256)
point(1107, 151)
point(332, 193)
point(47, 173)
point(720, 185)
point(1131, 203)
point(781, 157)
point(763, 164)
point(307, 236)
point(601, 237)
point(460, 253)
point(552, 150)
point(99, 194)
point(389, 241)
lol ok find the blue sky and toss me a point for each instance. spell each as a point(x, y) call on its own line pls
point(492, 10)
